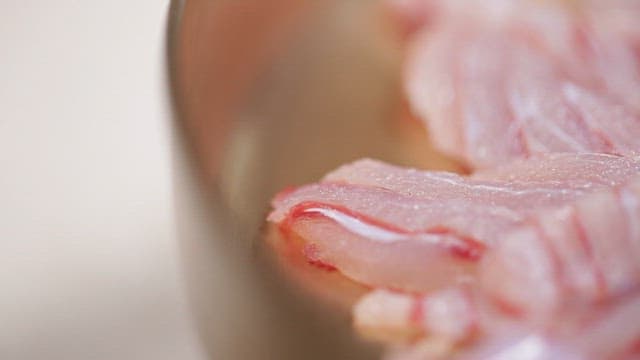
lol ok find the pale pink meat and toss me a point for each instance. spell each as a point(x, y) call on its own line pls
point(616, 46)
point(602, 332)
point(567, 274)
point(458, 323)
point(388, 226)
point(609, 331)
point(576, 255)
point(451, 315)
point(509, 79)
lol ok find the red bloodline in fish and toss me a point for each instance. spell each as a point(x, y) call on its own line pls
point(588, 249)
point(556, 262)
point(599, 135)
point(312, 254)
point(584, 47)
point(507, 307)
point(522, 139)
point(607, 143)
point(474, 318)
point(467, 247)
point(416, 315)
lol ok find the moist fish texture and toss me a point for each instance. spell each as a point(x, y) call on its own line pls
point(459, 323)
point(499, 80)
point(383, 225)
point(579, 253)
point(550, 275)
point(450, 314)
point(607, 332)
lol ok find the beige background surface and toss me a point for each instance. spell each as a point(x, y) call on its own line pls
point(89, 265)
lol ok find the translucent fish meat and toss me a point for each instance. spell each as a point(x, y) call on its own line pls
point(383, 225)
point(500, 80)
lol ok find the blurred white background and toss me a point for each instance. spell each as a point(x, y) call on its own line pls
point(89, 265)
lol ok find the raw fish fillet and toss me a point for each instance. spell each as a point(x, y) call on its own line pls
point(386, 226)
point(581, 253)
point(450, 315)
point(608, 331)
point(457, 322)
point(543, 277)
point(498, 80)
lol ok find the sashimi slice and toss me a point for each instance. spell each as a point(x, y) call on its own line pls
point(562, 277)
point(577, 254)
point(394, 317)
point(526, 78)
point(383, 225)
point(610, 331)
point(456, 323)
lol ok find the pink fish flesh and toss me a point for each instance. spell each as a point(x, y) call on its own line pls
point(383, 225)
point(499, 80)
